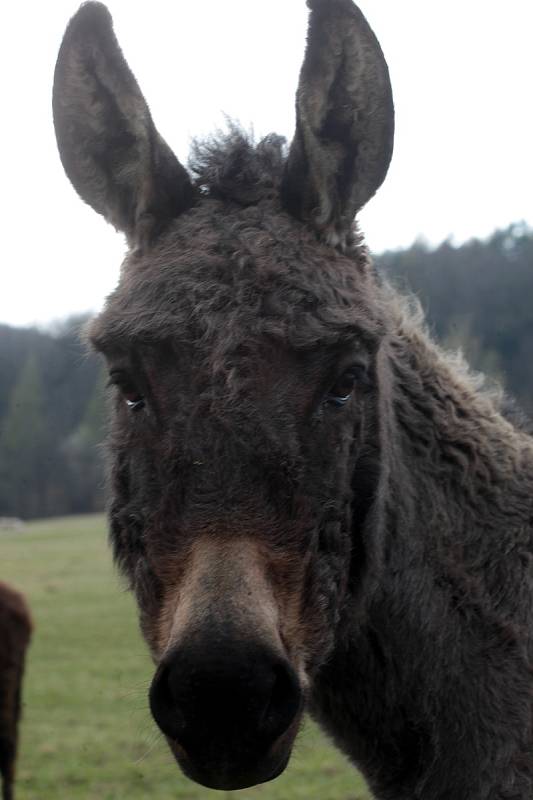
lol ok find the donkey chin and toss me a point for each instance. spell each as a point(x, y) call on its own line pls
point(239, 769)
point(229, 708)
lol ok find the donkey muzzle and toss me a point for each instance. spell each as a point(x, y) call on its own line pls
point(230, 710)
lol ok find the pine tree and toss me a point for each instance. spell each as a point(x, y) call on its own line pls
point(24, 445)
point(83, 450)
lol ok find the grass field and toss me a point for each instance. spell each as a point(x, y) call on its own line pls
point(86, 731)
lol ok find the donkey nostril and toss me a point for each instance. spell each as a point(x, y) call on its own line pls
point(283, 704)
point(163, 704)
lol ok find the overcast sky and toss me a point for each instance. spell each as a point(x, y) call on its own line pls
point(461, 72)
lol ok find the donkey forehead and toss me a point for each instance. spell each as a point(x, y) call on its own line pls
point(239, 276)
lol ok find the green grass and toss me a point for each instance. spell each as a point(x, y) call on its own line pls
point(86, 731)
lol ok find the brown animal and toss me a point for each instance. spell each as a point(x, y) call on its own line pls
point(315, 506)
point(15, 632)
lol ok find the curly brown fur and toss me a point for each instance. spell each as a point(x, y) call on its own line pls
point(230, 167)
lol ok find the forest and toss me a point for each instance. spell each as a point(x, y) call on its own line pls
point(477, 297)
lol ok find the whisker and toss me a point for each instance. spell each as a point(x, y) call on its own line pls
point(154, 737)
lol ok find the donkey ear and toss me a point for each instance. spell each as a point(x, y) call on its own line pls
point(109, 147)
point(344, 121)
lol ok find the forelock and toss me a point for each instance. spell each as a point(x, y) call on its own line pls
point(230, 166)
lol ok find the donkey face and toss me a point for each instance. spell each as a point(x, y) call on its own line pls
point(243, 347)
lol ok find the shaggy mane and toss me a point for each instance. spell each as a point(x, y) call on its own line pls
point(231, 166)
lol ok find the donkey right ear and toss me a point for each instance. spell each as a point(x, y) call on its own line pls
point(109, 146)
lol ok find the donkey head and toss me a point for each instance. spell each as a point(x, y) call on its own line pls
point(242, 340)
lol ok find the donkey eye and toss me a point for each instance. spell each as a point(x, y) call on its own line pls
point(132, 397)
point(134, 403)
point(342, 389)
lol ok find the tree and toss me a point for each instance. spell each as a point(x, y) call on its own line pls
point(84, 452)
point(25, 448)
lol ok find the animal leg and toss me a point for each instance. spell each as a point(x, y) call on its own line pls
point(7, 769)
point(11, 691)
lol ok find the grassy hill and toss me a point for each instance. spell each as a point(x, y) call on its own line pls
point(87, 732)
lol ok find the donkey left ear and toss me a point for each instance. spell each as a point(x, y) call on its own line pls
point(344, 122)
point(110, 149)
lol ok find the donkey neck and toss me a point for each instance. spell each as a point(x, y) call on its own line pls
point(449, 448)
point(445, 544)
point(457, 482)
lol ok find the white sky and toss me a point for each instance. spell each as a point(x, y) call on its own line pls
point(462, 75)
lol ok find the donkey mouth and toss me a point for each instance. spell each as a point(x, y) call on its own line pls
point(231, 771)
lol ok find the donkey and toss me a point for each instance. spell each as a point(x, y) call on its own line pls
point(316, 508)
point(15, 633)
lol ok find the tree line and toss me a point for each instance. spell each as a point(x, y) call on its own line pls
point(477, 296)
